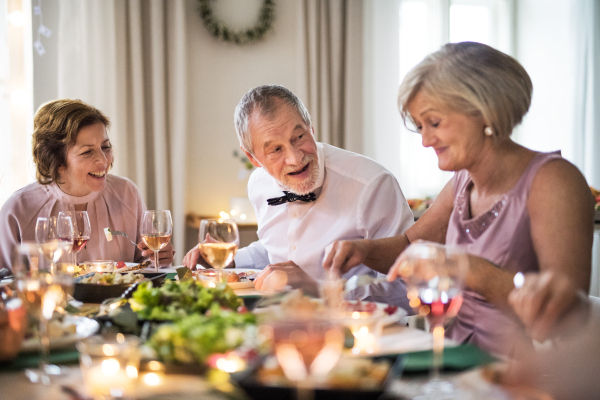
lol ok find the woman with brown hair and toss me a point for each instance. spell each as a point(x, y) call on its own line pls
point(73, 155)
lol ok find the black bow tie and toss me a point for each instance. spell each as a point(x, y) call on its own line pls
point(291, 197)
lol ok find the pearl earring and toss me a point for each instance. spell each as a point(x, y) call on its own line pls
point(488, 131)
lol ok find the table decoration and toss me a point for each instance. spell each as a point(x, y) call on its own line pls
point(109, 365)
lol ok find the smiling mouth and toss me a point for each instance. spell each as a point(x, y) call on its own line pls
point(300, 171)
point(100, 174)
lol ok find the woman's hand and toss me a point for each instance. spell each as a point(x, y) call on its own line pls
point(343, 255)
point(544, 301)
point(165, 256)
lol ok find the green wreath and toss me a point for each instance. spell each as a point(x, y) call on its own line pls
point(246, 36)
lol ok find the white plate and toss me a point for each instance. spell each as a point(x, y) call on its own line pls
point(85, 327)
point(242, 285)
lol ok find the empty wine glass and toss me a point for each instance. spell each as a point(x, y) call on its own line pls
point(218, 241)
point(54, 236)
point(42, 291)
point(434, 275)
point(81, 229)
point(157, 228)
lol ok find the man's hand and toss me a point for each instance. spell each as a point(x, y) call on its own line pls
point(276, 276)
point(343, 255)
point(544, 301)
point(165, 256)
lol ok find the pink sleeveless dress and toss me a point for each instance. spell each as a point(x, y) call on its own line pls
point(502, 235)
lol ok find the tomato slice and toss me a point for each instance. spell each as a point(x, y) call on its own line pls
point(121, 264)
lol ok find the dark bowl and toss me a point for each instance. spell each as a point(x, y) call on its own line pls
point(93, 293)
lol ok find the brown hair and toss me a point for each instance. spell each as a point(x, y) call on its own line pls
point(472, 78)
point(55, 127)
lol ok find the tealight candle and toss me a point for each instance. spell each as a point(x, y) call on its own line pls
point(109, 365)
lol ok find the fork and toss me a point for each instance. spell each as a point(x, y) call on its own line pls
point(361, 280)
point(110, 233)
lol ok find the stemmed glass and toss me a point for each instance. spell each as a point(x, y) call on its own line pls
point(157, 228)
point(54, 236)
point(42, 291)
point(218, 241)
point(81, 229)
point(434, 275)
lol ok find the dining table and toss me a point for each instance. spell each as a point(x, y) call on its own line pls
point(412, 348)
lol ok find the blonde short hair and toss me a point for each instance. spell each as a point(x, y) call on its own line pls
point(472, 78)
point(55, 127)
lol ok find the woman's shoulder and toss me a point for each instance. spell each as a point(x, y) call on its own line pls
point(26, 201)
point(558, 179)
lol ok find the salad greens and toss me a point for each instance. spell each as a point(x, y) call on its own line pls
point(178, 299)
point(196, 337)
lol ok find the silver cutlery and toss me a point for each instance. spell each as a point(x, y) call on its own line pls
point(110, 233)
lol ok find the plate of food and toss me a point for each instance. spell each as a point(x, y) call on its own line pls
point(351, 378)
point(64, 331)
point(95, 287)
point(238, 278)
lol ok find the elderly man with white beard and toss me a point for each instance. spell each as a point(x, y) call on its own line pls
point(307, 195)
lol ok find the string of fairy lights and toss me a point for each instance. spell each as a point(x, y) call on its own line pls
point(42, 29)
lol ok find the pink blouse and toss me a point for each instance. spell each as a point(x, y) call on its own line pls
point(502, 235)
point(118, 206)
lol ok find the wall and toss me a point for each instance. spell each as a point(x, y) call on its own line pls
point(220, 74)
point(544, 46)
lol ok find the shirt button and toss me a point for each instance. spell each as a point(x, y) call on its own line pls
point(293, 247)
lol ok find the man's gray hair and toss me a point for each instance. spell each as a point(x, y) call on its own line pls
point(262, 99)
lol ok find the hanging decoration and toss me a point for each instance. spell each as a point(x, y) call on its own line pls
point(42, 30)
point(243, 36)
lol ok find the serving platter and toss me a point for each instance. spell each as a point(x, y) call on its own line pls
point(94, 293)
point(85, 327)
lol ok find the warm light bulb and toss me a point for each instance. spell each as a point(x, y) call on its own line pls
point(243, 216)
point(17, 18)
point(232, 212)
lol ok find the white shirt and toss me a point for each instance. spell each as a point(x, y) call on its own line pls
point(357, 199)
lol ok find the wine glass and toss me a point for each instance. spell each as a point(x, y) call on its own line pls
point(218, 241)
point(434, 275)
point(42, 291)
point(54, 236)
point(307, 348)
point(81, 229)
point(157, 228)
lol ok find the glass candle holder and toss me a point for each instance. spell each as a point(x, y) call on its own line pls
point(208, 278)
point(109, 365)
point(99, 266)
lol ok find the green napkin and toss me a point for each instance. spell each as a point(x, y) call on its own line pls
point(457, 358)
point(32, 360)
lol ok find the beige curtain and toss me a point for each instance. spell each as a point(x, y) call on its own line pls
point(330, 75)
point(128, 58)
